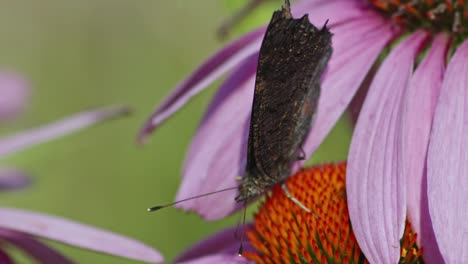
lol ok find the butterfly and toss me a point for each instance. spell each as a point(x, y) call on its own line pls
point(293, 56)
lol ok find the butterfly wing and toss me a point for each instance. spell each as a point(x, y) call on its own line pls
point(293, 56)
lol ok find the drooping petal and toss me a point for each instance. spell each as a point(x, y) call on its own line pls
point(14, 92)
point(418, 112)
point(213, 207)
point(218, 142)
point(376, 188)
point(76, 234)
point(19, 141)
point(11, 179)
point(447, 164)
point(39, 251)
point(351, 60)
point(220, 245)
point(220, 63)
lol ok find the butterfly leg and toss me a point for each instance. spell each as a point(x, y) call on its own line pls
point(296, 201)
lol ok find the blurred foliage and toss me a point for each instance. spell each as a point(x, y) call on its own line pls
point(257, 17)
point(82, 54)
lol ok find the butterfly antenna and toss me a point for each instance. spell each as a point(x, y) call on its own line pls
point(158, 207)
point(241, 247)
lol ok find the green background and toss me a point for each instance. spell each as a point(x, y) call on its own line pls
point(83, 54)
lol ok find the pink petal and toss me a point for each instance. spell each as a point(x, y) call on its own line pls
point(447, 164)
point(14, 92)
point(76, 234)
point(220, 63)
point(375, 186)
point(226, 162)
point(39, 251)
point(11, 179)
point(421, 98)
point(218, 142)
point(222, 244)
point(351, 60)
point(20, 141)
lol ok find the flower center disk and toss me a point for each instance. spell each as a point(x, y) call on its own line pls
point(285, 233)
point(432, 15)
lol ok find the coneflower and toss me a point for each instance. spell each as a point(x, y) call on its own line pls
point(409, 149)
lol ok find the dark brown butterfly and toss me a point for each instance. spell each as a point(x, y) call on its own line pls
point(293, 56)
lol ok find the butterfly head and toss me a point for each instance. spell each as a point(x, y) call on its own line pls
point(249, 188)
